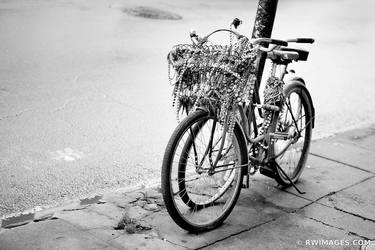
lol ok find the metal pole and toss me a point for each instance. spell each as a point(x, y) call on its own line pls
point(263, 25)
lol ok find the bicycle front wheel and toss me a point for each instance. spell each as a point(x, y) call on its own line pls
point(296, 119)
point(198, 196)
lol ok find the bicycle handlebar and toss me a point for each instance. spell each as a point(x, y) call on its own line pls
point(260, 42)
point(279, 42)
point(301, 40)
point(199, 41)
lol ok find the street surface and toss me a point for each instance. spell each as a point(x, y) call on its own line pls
point(85, 103)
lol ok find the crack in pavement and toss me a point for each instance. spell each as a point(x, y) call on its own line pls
point(343, 163)
point(65, 104)
point(95, 236)
point(339, 228)
point(330, 193)
point(74, 209)
point(173, 243)
point(354, 214)
point(240, 232)
point(15, 115)
point(338, 209)
point(102, 214)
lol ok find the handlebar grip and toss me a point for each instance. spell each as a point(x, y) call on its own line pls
point(278, 42)
point(305, 40)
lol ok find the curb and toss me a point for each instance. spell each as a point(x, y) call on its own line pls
point(41, 213)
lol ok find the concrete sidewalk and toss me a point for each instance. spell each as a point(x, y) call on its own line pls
point(337, 211)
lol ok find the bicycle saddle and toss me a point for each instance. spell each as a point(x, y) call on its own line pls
point(302, 54)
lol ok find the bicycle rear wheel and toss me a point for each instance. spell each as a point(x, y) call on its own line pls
point(295, 119)
point(198, 197)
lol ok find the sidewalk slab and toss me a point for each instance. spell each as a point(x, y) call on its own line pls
point(322, 177)
point(86, 219)
point(345, 152)
point(358, 200)
point(144, 241)
point(263, 190)
point(363, 138)
point(48, 235)
point(292, 231)
point(340, 219)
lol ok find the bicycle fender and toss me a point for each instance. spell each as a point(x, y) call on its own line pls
point(206, 109)
point(298, 78)
point(242, 141)
point(301, 83)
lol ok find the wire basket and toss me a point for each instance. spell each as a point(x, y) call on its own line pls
point(212, 75)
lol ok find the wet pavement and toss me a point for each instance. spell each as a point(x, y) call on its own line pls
point(337, 212)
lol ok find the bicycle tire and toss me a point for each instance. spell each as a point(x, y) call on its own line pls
point(170, 197)
point(298, 88)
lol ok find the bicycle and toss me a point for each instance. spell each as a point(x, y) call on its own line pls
point(228, 134)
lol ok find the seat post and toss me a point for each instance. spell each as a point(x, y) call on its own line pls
point(283, 69)
point(279, 68)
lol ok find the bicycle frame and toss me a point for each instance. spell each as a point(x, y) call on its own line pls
point(248, 119)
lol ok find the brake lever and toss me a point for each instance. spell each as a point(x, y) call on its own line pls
point(266, 50)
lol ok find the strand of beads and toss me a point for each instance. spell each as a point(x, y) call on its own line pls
point(223, 110)
point(273, 91)
point(251, 84)
point(265, 125)
point(231, 122)
point(190, 57)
